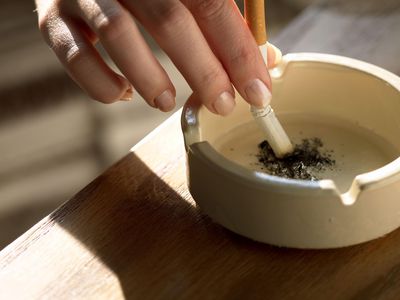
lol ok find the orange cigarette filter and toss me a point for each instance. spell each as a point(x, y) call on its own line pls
point(254, 13)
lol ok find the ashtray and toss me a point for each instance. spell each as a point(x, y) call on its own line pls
point(354, 108)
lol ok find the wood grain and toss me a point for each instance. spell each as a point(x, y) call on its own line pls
point(135, 232)
point(365, 30)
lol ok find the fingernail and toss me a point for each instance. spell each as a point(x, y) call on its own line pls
point(224, 104)
point(165, 102)
point(278, 54)
point(257, 93)
point(128, 94)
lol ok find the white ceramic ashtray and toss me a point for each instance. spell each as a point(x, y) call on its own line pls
point(354, 108)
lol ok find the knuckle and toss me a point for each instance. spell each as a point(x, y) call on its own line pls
point(244, 56)
point(63, 44)
point(68, 51)
point(58, 36)
point(209, 9)
point(211, 77)
point(110, 23)
point(172, 17)
point(74, 53)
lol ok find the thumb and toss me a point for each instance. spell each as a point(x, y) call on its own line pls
point(274, 56)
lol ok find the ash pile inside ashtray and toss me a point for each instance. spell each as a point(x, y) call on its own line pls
point(307, 160)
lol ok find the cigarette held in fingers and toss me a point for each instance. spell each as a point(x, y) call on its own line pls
point(264, 115)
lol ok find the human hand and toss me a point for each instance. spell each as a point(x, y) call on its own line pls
point(207, 40)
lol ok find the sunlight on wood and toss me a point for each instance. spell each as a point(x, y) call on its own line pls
point(94, 277)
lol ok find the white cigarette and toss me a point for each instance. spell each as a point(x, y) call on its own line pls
point(273, 130)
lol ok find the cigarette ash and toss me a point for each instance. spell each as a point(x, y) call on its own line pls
point(306, 162)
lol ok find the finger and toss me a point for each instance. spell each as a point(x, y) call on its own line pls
point(232, 42)
point(274, 56)
point(176, 31)
point(81, 60)
point(122, 40)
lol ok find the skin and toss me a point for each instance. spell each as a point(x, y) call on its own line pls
point(207, 40)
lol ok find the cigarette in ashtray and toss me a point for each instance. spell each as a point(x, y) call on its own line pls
point(273, 130)
point(265, 116)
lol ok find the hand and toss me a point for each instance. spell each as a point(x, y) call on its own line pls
point(207, 40)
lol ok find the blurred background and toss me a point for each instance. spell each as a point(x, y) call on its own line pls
point(54, 140)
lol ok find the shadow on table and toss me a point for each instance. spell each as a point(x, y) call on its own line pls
point(160, 245)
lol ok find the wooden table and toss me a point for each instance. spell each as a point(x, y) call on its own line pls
point(136, 233)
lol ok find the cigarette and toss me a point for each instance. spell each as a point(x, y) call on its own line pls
point(273, 130)
point(265, 117)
